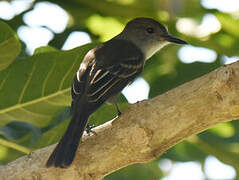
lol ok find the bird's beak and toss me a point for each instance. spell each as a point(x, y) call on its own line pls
point(172, 39)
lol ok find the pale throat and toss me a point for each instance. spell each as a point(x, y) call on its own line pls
point(150, 50)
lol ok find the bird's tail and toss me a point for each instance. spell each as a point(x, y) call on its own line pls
point(64, 153)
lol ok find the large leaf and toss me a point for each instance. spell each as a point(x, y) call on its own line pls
point(32, 90)
point(9, 45)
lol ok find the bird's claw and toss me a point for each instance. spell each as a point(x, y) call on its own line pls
point(89, 129)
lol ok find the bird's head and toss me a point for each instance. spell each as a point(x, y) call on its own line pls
point(149, 35)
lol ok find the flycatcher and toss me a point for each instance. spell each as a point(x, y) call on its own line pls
point(103, 73)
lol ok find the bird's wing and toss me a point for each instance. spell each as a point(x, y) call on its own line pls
point(106, 70)
point(112, 80)
point(118, 62)
point(81, 78)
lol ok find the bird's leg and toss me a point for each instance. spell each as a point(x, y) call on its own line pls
point(89, 129)
point(117, 109)
point(113, 100)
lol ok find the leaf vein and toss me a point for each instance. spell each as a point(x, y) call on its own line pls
point(68, 72)
point(4, 80)
point(27, 83)
point(34, 101)
point(46, 79)
point(33, 113)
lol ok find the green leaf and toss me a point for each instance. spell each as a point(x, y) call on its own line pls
point(14, 146)
point(223, 130)
point(229, 24)
point(34, 89)
point(149, 170)
point(16, 130)
point(44, 49)
point(185, 151)
point(52, 136)
point(9, 46)
point(105, 27)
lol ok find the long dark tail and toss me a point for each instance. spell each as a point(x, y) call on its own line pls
point(64, 152)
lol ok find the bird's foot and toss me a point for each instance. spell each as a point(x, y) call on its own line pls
point(89, 129)
point(119, 113)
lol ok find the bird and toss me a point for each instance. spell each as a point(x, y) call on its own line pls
point(102, 75)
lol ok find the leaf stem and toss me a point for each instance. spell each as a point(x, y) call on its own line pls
point(15, 146)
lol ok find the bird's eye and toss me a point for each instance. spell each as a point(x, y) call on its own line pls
point(150, 30)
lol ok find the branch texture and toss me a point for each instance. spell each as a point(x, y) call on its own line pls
point(144, 131)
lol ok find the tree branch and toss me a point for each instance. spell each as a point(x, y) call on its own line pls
point(144, 131)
